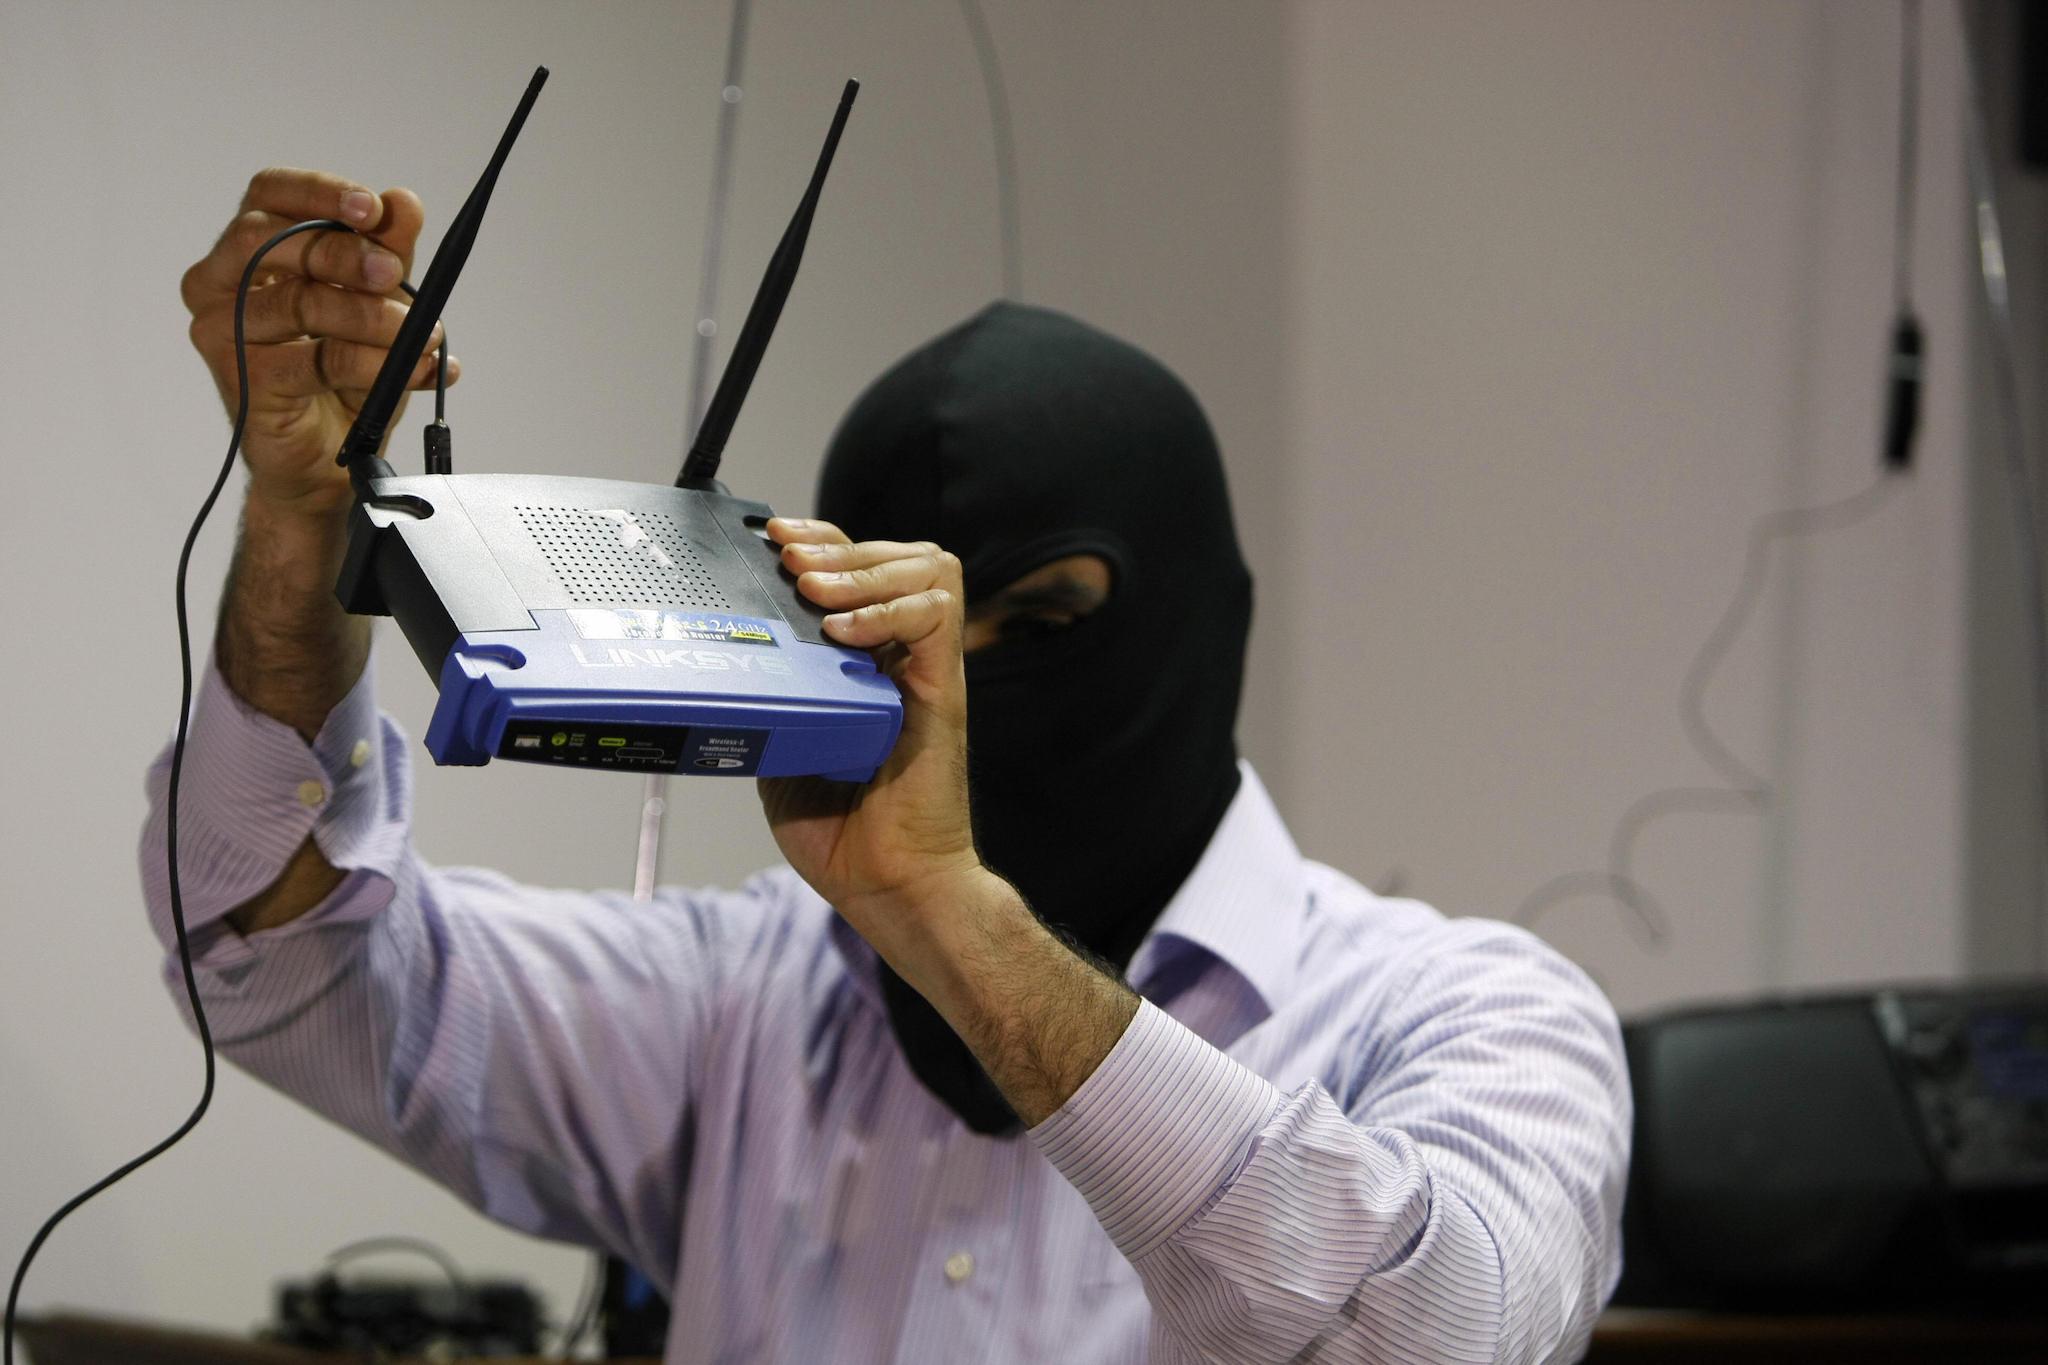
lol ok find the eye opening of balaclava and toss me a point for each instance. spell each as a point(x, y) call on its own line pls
point(1052, 649)
point(1101, 757)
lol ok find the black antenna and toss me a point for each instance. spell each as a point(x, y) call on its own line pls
point(701, 466)
point(359, 449)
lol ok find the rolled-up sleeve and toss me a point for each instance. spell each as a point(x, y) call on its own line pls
point(1461, 1203)
point(251, 791)
point(535, 1050)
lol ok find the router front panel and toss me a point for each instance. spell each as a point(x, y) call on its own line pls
point(674, 688)
point(638, 748)
point(596, 623)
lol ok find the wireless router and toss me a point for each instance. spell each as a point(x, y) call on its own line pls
point(597, 623)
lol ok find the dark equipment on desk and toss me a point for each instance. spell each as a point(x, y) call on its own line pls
point(635, 1315)
point(597, 623)
point(1887, 1149)
point(450, 1317)
point(477, 1320)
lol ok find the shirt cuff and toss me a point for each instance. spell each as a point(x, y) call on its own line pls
point(1158, 1132)
point(250, 792)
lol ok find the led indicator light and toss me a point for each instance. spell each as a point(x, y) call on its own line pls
point(612, 741)
point(561, 738)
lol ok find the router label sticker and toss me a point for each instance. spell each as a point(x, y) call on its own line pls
point(638, 624)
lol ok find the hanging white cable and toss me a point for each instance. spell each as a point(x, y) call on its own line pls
point(654, 796)
point(1004, 146)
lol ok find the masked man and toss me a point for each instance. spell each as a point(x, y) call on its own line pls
point(1046, 1045)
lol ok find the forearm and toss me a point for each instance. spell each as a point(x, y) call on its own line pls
point(287, 649)
point(424, 1008)
point(1037, 1015)
point(1453, 1193)
point(285, 645)
point(436, 1016)
point(1162, 1129)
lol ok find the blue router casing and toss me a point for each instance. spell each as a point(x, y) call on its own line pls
point(598, 623)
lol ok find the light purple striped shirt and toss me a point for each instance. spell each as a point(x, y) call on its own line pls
point(1342, 1128)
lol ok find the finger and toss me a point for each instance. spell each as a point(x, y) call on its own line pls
point(301, 369)
point(399, 230)
point(796, 531)
point(295, 307)
point(881, 582)
point(917, 621)
point(843, 554)
point(299, 194)
point(332, 257)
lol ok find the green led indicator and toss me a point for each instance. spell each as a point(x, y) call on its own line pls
point(612, 741)
point(561, 738)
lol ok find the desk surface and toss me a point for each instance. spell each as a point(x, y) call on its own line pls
point(1636, 1336)
point(1624, 1337)
point(76, 1339)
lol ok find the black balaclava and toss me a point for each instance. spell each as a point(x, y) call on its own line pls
point(1100, 757)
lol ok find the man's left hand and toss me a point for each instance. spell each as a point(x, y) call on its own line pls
point(896, 857)
point(905, 840)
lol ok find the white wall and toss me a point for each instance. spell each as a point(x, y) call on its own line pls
point(1580, 289)
point(1510, 317)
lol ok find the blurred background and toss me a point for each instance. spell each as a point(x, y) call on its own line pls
point(1513, 319)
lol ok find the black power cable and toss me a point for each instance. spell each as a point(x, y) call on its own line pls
point(206, 1047)
point(1907, 362)
point(440, 454)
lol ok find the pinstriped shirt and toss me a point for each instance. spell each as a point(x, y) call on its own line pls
point(1340, 1128)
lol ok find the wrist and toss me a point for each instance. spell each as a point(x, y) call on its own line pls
point(1038, 1016)
point(290, 554)
point(927, 929)
point(303, 519)
point(284, 644)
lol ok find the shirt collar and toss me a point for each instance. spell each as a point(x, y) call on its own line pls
point(1242, 906)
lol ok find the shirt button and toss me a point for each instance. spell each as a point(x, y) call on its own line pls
point(311, 793)
point(359, 755)
point(959, 1266)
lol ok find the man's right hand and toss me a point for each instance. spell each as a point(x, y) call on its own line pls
point(323, 311)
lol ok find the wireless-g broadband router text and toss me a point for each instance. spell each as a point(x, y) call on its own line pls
point(597, 623)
